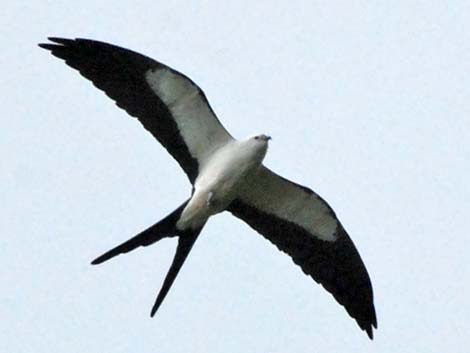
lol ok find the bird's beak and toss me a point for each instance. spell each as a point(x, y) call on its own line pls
point(267, 138)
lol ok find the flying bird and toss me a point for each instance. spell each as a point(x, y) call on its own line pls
point(226, 175)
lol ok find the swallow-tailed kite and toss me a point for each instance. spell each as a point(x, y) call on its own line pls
point(226, 175)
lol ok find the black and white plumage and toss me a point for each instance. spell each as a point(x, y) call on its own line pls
point(226, 174)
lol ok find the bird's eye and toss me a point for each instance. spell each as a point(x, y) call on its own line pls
point(256, 137)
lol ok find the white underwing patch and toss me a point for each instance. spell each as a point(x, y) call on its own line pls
point(283, 199)
point(198, 126)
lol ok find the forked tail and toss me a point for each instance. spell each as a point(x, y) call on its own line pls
point(163, 229)
point(185, 244)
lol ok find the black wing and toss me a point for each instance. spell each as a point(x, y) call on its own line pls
point(301, 224)
point(169, 105)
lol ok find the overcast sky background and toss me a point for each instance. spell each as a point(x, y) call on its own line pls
point(368, 103)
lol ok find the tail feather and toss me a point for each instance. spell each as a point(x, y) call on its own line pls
point(185, 244)
point(162, 229)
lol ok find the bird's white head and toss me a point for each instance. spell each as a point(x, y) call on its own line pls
point(262, 138)
point(257, 146)
point(259, 141)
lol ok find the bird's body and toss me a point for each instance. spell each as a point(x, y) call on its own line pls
point(226, 175)
point(221, 178)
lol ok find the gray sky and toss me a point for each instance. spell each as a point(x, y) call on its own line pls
point(368, 104)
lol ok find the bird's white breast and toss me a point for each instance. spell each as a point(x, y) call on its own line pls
point(220, 179)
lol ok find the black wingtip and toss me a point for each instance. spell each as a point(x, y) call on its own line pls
point(370, 333)
point(60, 40)
point(372, 325)
point(49, 46)
point(369, 326)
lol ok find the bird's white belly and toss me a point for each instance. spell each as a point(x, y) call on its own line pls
point(218, 183)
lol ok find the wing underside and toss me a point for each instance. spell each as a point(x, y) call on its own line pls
point(277, 208)
point(168, 104)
